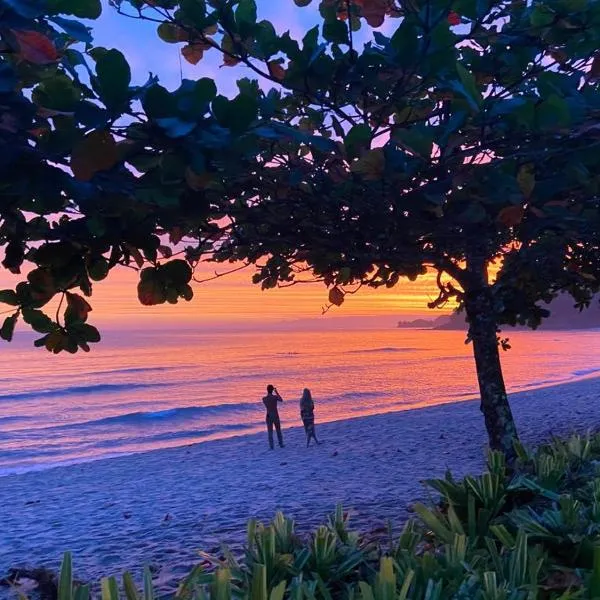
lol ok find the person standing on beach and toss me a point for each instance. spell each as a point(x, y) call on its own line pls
point(270, 401)
point(307, 414)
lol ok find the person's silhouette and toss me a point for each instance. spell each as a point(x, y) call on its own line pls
point(270, 401)
point(307, 414)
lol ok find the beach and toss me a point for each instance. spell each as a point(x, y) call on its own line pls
point(160, 507)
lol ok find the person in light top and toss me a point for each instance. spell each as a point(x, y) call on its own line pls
point(307, 414)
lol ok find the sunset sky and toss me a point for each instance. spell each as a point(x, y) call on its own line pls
point(234, 298)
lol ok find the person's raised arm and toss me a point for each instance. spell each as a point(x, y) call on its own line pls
point(279, 398)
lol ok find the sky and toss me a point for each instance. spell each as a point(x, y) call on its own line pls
point(231, 300)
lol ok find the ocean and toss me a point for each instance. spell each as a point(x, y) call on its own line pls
point(139, 391)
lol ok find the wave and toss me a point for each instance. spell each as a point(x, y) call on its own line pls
point(360, 395)
point(191, 434)
point(98, 388)
point(15, 419)
point(582, 372)
point(386, 349)
point(138, 370)
point(168, 414)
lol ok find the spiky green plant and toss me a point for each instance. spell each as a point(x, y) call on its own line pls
point(529, 534)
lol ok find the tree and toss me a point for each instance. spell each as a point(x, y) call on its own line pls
point(467, 136)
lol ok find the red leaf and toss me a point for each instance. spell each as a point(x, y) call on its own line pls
point(78, 305)
point(453, 18)
point(175, 235)
point(135, 254)
point(96, 152)
point(151, 291)
point(35, 47)
point(276, 70)
point(193, 53)
point(230, 61)
point(511, 216)
point(336, 296)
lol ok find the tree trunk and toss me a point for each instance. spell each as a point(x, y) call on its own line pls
point(499, 422)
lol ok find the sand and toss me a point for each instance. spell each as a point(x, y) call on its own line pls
point(160, 507)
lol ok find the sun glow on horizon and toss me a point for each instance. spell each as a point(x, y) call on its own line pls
point(234, 299)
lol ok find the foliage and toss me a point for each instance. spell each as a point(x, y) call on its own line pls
point(466, 135)
point(97, 172)
point(497, 536)
point(432, 147)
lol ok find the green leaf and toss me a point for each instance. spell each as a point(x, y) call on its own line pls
point(466, 8)
point(205, 89)
point(158, 102)
point(65, 579)
point(89, 332)
point(148, 587)
point(131, 592)
point(259, 582)
point(526, 179)
point(278, 592)
point(469, 87)
point(9, 297)
point(8, 327)
point(74, 29)
point(417, 139)
point(38, 320)
point(594, 589)
point(83, 591)
point(371, 165)
point(553, 113)
point(172, 34)
point(57, 93)
point(108, 586)
point(98, 269)
point(29, 9)
point(541, 15)
point(178, 271)
point(358, 138)
point(236, 114)
point(195, 12)
point(335, 31)
point(175, 127)
point(310, 40)
point(84, 9)
point(114, 77)
point(245, 13)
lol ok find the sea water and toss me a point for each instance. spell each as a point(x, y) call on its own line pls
point(139, 391)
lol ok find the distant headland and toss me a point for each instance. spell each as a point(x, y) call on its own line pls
point(563, 315)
